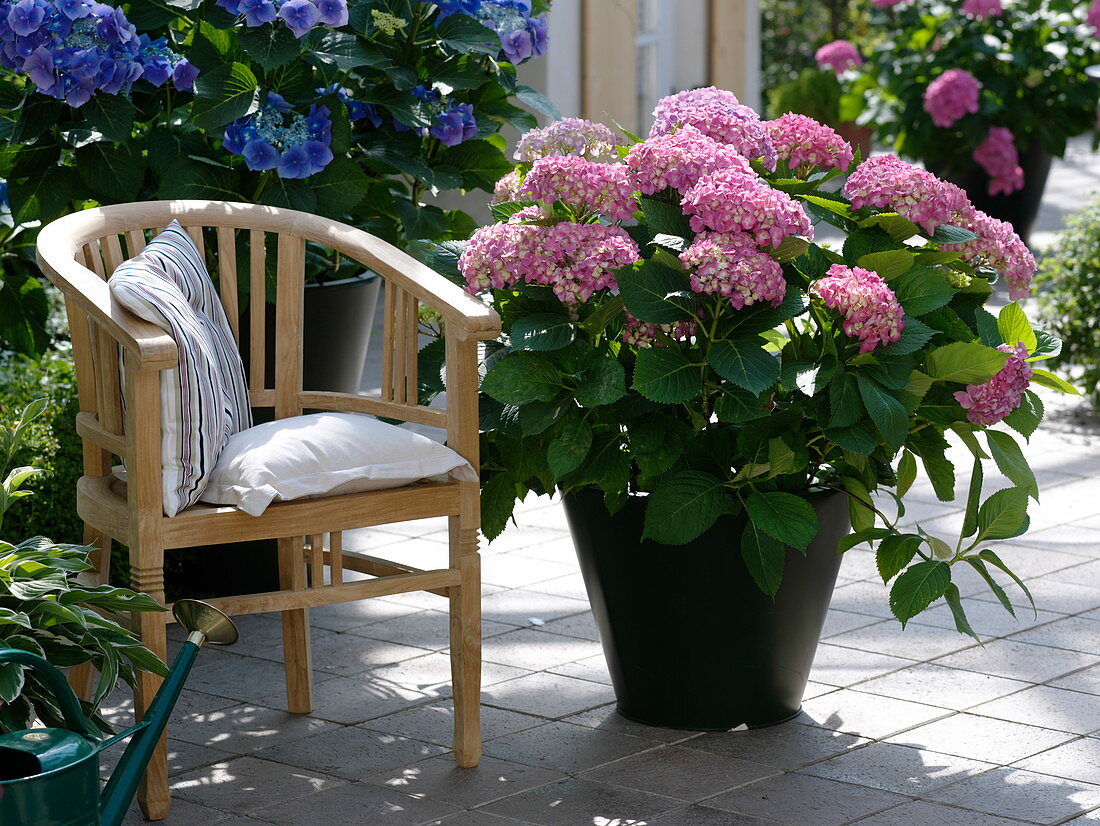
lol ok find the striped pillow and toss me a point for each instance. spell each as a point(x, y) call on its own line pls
point(205, 400)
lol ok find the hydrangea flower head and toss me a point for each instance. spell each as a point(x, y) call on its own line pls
point(886, 4)
point(452, 122)
point(680, 159)
point(568, 136)
point(521, 35)
point(803, 142)
point(507, 188)
point(730, 200)
point(276, 137)
point(997, 247)
point(950, 96)
point(719, 115)
point(981, 9)
point(449, 7)
point(730, 265)
point(872, 313)
point(886, 182)
point(839, 55)
point(584, 185)
point(1093, 17)
point(300, 16)
point(988, 403)
point(997, 155)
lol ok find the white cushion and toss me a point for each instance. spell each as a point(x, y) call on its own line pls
point(324, 454)
point(205, 400)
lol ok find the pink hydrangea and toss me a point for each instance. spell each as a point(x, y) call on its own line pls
point(1093, 17)
point(507, 188)
point(680, 159)
point(731, 201)
point(997, 155)
point(886, 182)
point(999, 248)
point(840, 56)
point(872, 313)
point(645, 334)
point(498, 256)
point(886, 4)
point(981, 9)
point(719, 115)
point(988, 403)
point(576, 260)
point(569, 136)
point(800, 140)
point(584, 185)
point(950, 96)
point(730, 265)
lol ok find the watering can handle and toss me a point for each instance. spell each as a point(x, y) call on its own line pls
point(66, 699)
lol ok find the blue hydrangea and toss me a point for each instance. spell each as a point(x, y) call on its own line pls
point(357, 110)
point(449, 7)
point(74, 49)
point(300, 16)
point(276, 137)
point(521, 35)
point(452, 122)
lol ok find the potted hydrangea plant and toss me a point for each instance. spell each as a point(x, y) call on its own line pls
point(985, 92)
point(719, 398)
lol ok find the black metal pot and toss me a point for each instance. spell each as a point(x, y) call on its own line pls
point(1020, 208)
point(690, 640)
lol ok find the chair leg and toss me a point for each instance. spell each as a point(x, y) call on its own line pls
point(153, 795)
point(466, 644)
point(82, 678)
point(297, 655)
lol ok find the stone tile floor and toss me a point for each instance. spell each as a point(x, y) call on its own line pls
point(921, 726)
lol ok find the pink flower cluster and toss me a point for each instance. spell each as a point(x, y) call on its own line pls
point(997, 155)
point(730, 265)
point(997, 247)
point(569, 136)
point(950, 96)
point(800, 140)
point(732, 201)
point(680, 159)
point(886, 4)
point(887, 182)
point(871, 311)
point(989, 403)
point(719, 115)
point(644, 334)
point(507, 188)
point(584, 185)
point(1093, 17)
point(981, 9)
point(574, 260)
point(840, 56)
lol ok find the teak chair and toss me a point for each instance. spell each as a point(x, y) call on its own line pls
point(79, 251)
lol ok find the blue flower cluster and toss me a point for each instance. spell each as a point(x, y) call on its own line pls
point(357, 110)
point(300, 16)
point(276, 137)
point(453, 122)
point(521, 35)
point(72, 49)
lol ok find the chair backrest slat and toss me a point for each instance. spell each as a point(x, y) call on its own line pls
point(288, 325)
point(112, 253)
point(135, 241)
point(257, 301)
point(410, 344)
point(389, 318)
point(227, 277)
point(92, 258)
point(196, 236)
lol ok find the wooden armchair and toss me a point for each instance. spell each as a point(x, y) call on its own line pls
point(78, 252)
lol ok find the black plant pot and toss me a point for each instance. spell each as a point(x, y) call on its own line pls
point(1019, 208)
point(690, 640)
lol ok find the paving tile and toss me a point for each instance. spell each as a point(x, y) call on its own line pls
point(241, 678)
point(571, 802)
point(859, 563)
point(863, 597)
point(946, 687)
point(698, 815)
point(1009, 792)
point(431, 674)
point(1058, 565)
point(352, 616)
point(571, 586)
point(1086, 819)
point(989, 619)
point(517, 606)
point(814, 690)
point(423, 629)
point(434, 722)
point(838, 622)
point(867, 715)
point(1079, 760)
point(536, 650)
point(516, 537)
point(1080, 538)
point(565, 746)
point(1073, 633)
point(180, 813)
point(786, 746)
point(478, 818)
point(895, 768)
point(914, 642)
point(1086, 680)
point(351, 699)
point(590, 668)
point(1053, 708)
point(923, 813)
point(438, 778)
point(351, 654)
point(245, 784)
point(687, 774)
point(800, 799)
point(607, 718)
point(578, 625)
point(981, 738)
point(1049, 595)
point(547, 695)
point(352, 752)
point(512, 571)
point(182, 756)
point(246, 728)
point(1018, 660)
point(843, 667)
point(356, 804)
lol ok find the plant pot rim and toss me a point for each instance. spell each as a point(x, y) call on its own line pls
point(366, 275)
point(811, 492)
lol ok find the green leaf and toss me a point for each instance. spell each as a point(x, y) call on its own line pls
point(914, 335)
point(951, 234)
point(907, 472)
point(858, 538)
point(568, 449)
point(1048, 379)
point(886, 411)
point(342, 50)
point(223, 95)
point(11, 681)
point(655, 293)
point(603, 383)
point(683, 506)
point(854, 437)
point(111, 115)
point(979, 565)
point(1026, 418)
point(1014, 327)
point(542, 331)
point(1010, 459)
point(993, 559)
point(844, 401)
point(894, 553)
point(931, 446)
point(973, 499)
point(964, 362)
point(1002, 514)
point(534, 99)
point(521, 378)
point(1047, 345)
point(789, 518)
point(897, 227)
point(745, 363)
point(664, 218)
point(339, 187)
point(859, 501)
point(954, 602)
point(481, 163)
point(289, 193)
point(112, 173)
point(789, 249)
point(467, 35)
point(498, 499)
point(764, 556)
point(269, 46)
point(922, 289)
point(917, 588)
point(190, 179)
point(664, 374)
point(888, 264)
point(735, 405)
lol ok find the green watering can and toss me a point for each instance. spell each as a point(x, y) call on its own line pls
point(50, 776)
